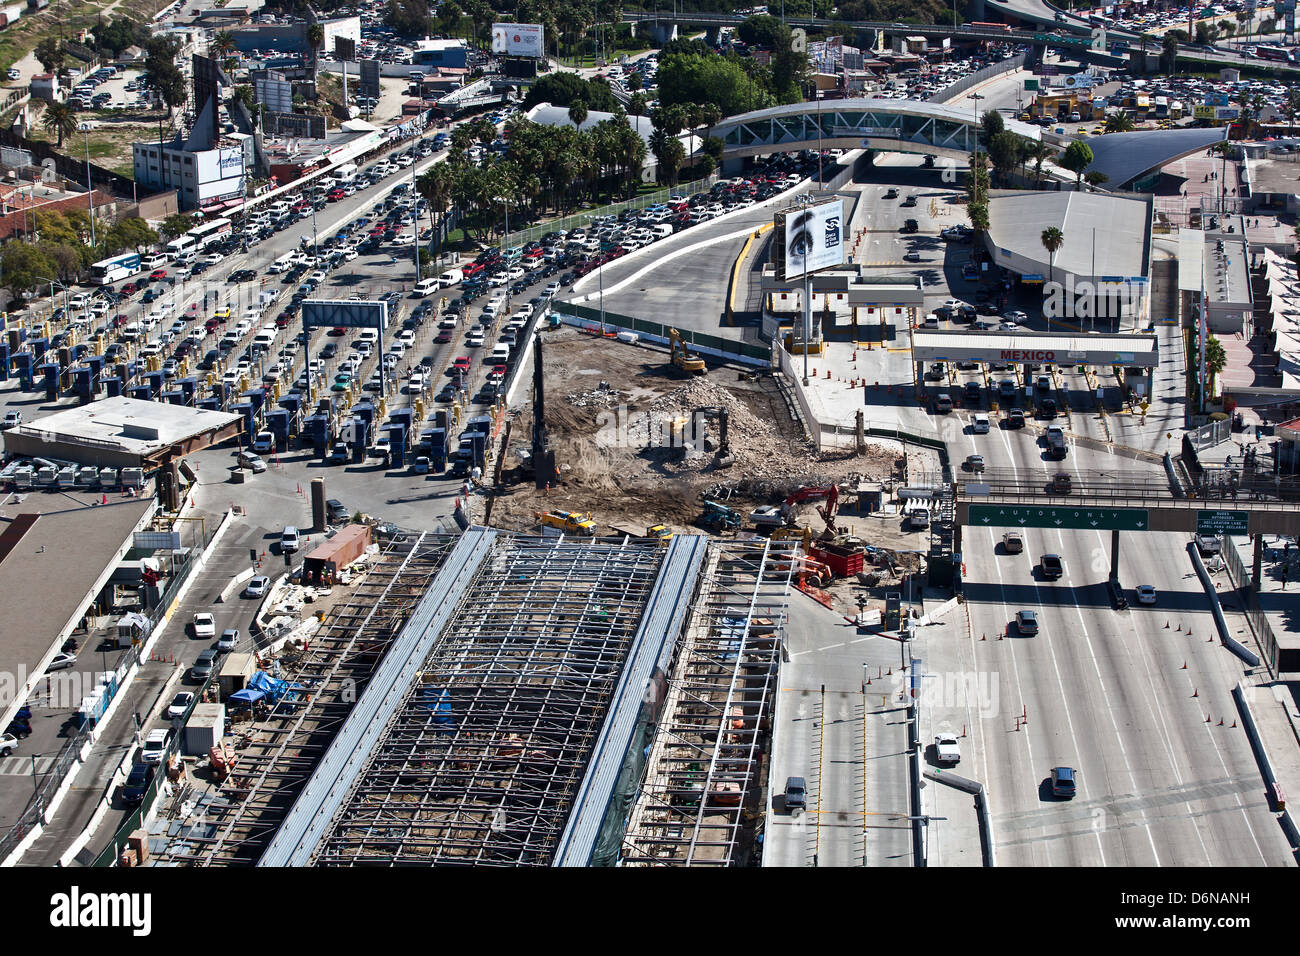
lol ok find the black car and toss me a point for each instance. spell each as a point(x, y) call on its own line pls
point(137, 782)
point(243, 275)
point(971, 392)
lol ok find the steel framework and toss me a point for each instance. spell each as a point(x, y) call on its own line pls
point(277, 754)
point(702, 791)
point(480, 763)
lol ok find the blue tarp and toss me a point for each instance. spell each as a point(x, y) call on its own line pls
point(247, 696)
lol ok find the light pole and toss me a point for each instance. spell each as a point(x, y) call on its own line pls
point(90, 187)
point(505, 202)
point(415, 221)
point(62, 287)
point(975, 132)
point(600, 279)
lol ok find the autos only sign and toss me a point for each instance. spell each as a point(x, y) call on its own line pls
point(814, 238)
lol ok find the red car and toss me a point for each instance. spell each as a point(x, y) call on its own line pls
point(443, 337)
point(473, 268)
point(130, 289)
point(282, 321)
point(211, 324)
point(462, 363)
point(335, 194)
point(158, 274)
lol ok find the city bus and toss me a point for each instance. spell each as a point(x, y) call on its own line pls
point(199, 238)
point(108, 271)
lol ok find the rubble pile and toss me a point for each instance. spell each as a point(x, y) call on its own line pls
point(603, 395)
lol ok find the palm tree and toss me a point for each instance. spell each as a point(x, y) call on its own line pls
point(1119, 122)
point(1216, 359)
point(1169, 50)
point(578, 114)
point(315, 40)
point(1052, 239)
point(222, 45)
point(435, 187)
point(1038, 151)
point(60, 119)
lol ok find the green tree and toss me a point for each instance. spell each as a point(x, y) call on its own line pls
point(1052, 239)
point(991, 124)
point(449, 14)
point(1169, 52)
point(59, 119)
point(175, 225)
point(637, 104)
point(1119, 122)
point(316, 40)
point(23, 264)
point(1077, 157)
point(51, 53)
point(408, 18)
point(1216, 360)
point(1096, 178)
point(132, 233)
point(222, 45)
point(687, 79)
point(578, 114)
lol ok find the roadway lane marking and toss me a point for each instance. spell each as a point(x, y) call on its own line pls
point(1110, 709)
point(1163, 729)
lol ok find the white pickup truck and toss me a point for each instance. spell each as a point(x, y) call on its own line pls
point(946, 751)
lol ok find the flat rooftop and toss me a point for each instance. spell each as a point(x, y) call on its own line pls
point(1105, 235)
point(1278, 176)
point(128, 425)
point(51, 568)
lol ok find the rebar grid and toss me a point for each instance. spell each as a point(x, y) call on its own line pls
point(482, 760)
point(277, 754)
point(703, 781)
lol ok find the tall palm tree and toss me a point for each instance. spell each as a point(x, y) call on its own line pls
point(315, 40)
point(1039, 151)
point(578, 114)
point(222, 45)
point(60, 119)
point(1052, 240)
point(435, 187)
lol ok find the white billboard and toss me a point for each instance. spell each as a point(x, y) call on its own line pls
point(814, 238)
point(518, 39)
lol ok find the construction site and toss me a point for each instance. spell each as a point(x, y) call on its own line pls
point(645, 443)
point(498, 699)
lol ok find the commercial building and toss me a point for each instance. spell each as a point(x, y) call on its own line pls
point(452, 54)
point(205, 179)
point(121, 433)
point(292, 37)
point(1216, 265)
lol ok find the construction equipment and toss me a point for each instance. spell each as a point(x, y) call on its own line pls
point(682, 357)
point(832, 495)
point(723, 416)
point(796, 532)
point(543, 455)
point(811, 572)
point(659, 532)
point(567, 521)
point(717, 517)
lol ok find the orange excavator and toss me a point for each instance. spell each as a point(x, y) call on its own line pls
point(827, 511)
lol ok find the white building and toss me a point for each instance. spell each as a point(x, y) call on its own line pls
point(207, 179)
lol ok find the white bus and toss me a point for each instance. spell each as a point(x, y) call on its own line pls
point(199, 238)
point(108, 271)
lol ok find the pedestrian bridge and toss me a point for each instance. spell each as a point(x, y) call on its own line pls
point(903, 126)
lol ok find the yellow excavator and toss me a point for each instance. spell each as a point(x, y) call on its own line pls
point(682, 357)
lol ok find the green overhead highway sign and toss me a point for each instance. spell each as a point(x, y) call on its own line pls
point(1101, 519)
point(1223, 522)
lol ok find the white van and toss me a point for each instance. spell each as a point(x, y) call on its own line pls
point(283, 264)
point(450, 278)
point(368, 335)
point(426, 287)
point(661, 231)
point(155, 261)
point(500, 353)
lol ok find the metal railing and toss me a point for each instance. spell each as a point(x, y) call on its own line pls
point(34, 814)
point(1250, 606)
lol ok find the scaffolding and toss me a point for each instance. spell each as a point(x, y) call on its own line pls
point(277, 754)
point(481, 760)
point(702, 793)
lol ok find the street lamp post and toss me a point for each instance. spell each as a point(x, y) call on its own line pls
point(90, 187)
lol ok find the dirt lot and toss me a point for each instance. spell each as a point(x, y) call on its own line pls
point(615, 414)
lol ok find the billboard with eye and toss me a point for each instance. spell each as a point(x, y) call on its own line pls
point(813, 238)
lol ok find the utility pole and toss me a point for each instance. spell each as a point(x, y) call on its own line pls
point(90, 186)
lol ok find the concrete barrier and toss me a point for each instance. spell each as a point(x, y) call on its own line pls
point(1220, 622)
point(235, 584)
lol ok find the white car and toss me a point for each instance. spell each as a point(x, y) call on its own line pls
point(257, 586)
point(204, 625)
point(946, 750)
point(474, 338)
point(1146, 594)
point(402, 239)
point(180, 703)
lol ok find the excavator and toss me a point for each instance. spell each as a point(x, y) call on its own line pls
point(827, 511)
point(682, 357)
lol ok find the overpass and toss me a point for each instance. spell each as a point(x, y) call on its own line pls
point(1072, 33)
point(905, 126)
